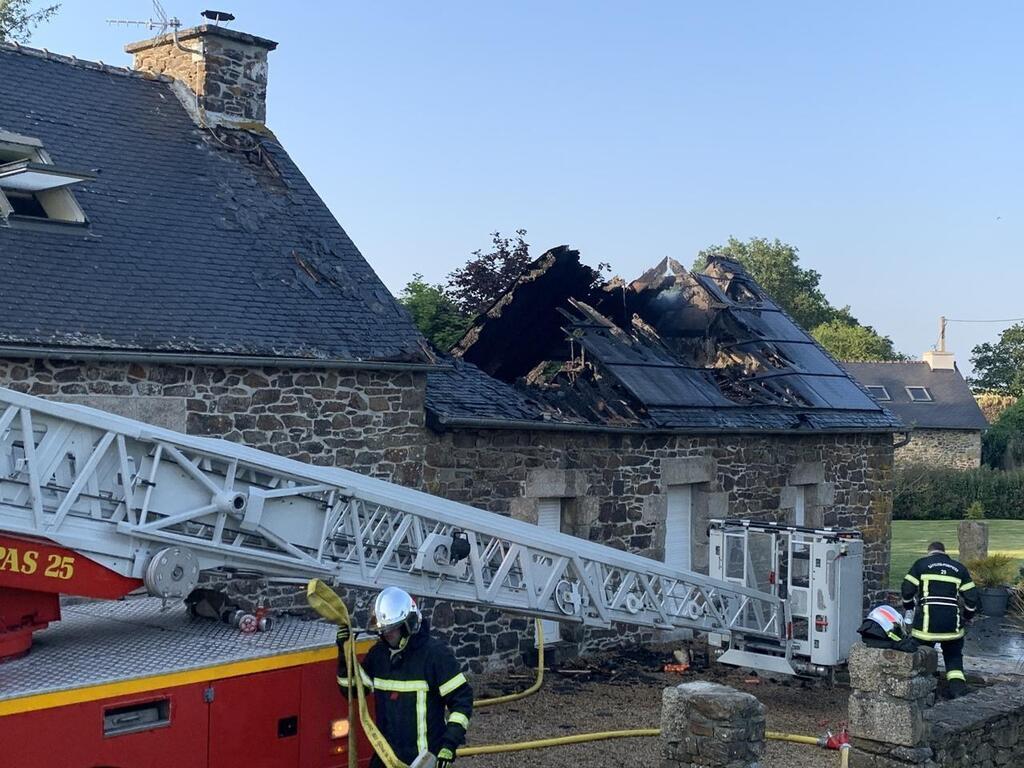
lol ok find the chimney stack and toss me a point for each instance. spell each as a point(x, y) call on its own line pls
point(939, 359)
point(225, 70)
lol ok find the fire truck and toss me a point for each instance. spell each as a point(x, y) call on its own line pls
point(101, 506)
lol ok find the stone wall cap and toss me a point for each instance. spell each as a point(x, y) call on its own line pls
point(203, 30)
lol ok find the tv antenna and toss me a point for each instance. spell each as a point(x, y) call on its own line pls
point(162, 22)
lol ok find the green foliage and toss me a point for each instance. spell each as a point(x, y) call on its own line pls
point(776, 267)
point(992, 571)
point(940, 493)
point(1002, 446)
point(488, 275)
point(17, 19)
point(854, 342)
point(999, 367)
point(976, 511)
point(434, 311)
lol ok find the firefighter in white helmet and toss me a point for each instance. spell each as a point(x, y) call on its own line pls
point(423, 700)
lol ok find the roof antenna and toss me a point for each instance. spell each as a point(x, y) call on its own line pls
point(162, 22)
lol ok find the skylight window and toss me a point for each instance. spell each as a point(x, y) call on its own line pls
point(32, 186)
point(919, 394)
point(878, 392)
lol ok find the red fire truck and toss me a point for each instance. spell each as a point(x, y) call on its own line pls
point(101, 506)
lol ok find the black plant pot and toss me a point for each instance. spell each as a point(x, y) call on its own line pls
point(994, 600)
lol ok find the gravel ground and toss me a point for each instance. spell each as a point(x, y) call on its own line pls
point(625, 692)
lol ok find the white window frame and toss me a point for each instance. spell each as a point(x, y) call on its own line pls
point(883, 397)
point(927, 395)
point(60, 204)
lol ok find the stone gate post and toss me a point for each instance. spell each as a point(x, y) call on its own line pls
point(707, 725)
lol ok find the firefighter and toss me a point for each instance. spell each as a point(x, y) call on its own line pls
point(423, 700)
point(942, 598)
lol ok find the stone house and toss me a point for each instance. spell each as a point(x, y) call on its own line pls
point(632, 413)
point(165, 259)
point(201, 283)
point(936, 404)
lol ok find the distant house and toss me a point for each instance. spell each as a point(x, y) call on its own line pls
point(932, 398)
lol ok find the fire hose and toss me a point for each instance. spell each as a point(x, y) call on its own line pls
point(537, 683)
point(331, 607)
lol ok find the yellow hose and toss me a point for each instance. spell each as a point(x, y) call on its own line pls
point(579, 738)
point(329, 605)
point(491, 749)
point(537, 683)
point(795, 738)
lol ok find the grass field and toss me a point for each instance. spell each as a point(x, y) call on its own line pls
point(911, 537)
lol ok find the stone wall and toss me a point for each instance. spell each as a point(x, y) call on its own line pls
point(370, 422)
point(614, 487)
point(959, 448)
point(895, 721)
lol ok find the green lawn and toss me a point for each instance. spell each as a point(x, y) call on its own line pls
point(911, 537)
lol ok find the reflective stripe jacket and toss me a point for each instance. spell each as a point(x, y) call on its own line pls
point(423, 700)
point(936, 584)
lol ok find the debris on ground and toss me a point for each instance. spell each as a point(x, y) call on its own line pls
point(623, 690)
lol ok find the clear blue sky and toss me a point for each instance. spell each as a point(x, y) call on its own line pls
point(881, 139)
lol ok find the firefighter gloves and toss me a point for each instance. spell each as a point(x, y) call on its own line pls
point(445, 757)
point(344, 633)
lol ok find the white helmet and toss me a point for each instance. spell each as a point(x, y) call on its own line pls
point(392, 608)
point(889, 619)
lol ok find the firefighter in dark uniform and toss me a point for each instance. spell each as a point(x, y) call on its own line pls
point(943, 598)
point(423, 700)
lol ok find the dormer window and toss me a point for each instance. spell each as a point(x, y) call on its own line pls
point(919, 394)
point(878, 392)
point(32, 186)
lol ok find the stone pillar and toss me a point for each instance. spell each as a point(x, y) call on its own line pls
point(891, 690)
point(706, 725)
point(973, 536)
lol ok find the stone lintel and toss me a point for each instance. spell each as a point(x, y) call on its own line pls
point(687, 471)
point(556, 483)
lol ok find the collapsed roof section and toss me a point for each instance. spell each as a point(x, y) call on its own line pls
point(672, 350)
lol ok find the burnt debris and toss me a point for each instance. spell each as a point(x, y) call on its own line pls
point(671, 350)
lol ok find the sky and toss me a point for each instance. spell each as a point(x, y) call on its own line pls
point(883, 140)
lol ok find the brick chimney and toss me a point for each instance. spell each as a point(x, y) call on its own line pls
point(225, 70)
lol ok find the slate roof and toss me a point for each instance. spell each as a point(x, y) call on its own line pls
point(672, 351)
point(952, 406)
point(191, 246)
point(462, 394)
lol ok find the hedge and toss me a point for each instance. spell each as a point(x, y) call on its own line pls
point(933, 493)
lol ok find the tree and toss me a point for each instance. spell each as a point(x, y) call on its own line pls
point(1002, 445)
point(434, 311)
point(486, 276)
point(854, 342)
point(999, 367)
point(775, 266)
point(17, 20)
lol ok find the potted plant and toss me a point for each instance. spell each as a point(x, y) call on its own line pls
point(992, 575)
